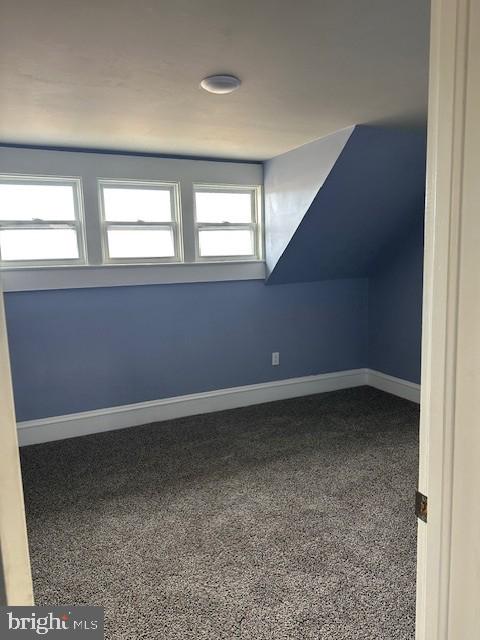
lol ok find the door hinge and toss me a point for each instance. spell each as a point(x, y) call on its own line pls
point(421, 506)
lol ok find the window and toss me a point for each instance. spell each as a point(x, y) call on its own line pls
point(227, 223)
point(140, 221)
point(41, 221)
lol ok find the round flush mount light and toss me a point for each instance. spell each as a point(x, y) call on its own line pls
point(220, 84)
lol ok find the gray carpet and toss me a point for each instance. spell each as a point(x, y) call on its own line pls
point(291, 519)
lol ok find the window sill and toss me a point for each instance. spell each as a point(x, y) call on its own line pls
point(121, 275)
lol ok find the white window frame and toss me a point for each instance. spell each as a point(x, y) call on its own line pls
point(175, 225)
point(78, 224)
point(255, 225)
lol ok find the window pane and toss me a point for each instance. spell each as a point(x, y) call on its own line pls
point(223, 206)
point(38, 244)
point(140, 243)
point(131, 205)
point(226, 242)
point(43, 201)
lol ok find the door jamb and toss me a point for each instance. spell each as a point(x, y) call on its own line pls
point(16, 578)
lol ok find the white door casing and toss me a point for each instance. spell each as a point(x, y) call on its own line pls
point(448, 585)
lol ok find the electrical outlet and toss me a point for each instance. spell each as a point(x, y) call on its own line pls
point(275, 358)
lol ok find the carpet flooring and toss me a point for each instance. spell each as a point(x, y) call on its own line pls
point(288, 520)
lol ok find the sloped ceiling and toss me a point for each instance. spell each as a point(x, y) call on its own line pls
point(373, 193)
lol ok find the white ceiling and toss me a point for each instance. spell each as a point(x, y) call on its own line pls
point(124, 74)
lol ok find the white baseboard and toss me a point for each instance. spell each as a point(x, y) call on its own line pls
point(395, 386)
point(79, 424)
point(86, 422)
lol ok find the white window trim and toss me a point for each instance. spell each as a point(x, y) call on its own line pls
point(175, 225)
point(78, 224)
point(256, 224)
point(90, 276)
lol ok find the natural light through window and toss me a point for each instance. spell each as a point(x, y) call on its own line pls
point(231, 242)
point(128, 205)
point(40, 220)
point(223, 206)
point(139, 221)
point(140, 243)
point(227, 225)
point(38, 244)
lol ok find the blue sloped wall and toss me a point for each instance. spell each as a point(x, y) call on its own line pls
point(373, 193)
point(291, 182)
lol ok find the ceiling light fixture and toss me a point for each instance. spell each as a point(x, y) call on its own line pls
point(220, 84)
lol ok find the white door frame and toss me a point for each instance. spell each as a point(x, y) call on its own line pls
point(448, 580)
point(16, 578)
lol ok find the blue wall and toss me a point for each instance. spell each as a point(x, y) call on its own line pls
point(395, 307)
point(76, 350)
